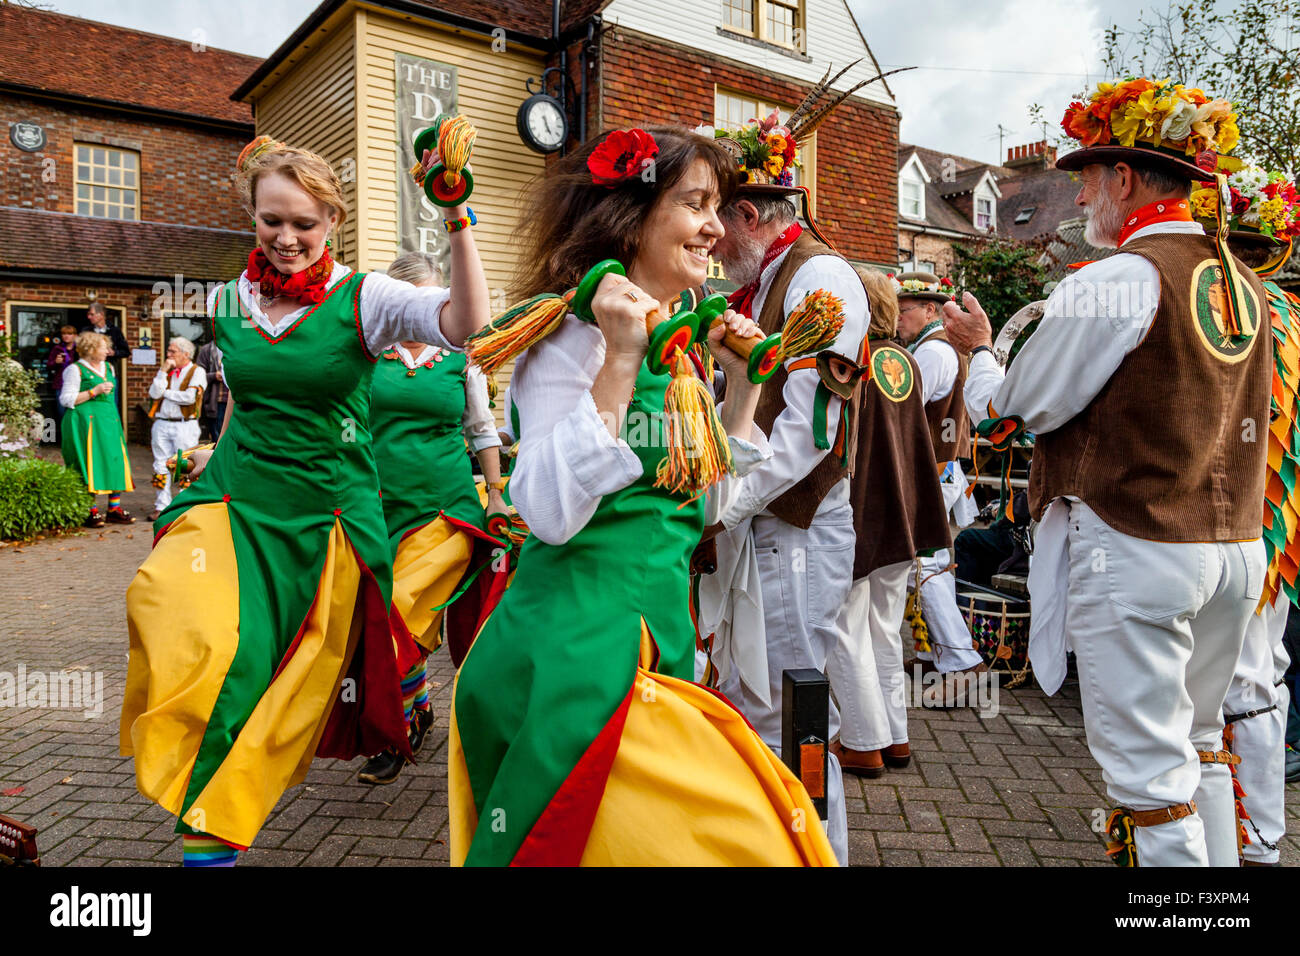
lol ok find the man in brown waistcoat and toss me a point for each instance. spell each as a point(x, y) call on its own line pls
point(921, 297)
point(898, 511)
point(1148, 390)
point(792, 511)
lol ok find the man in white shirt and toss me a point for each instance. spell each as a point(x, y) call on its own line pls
point(793, 509)
point(1147, 387)
point(177, 392)
point(921, 298)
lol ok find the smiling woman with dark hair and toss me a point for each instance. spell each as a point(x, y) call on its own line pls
point(577, 735)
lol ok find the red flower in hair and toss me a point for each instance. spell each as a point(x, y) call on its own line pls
point(621, 156)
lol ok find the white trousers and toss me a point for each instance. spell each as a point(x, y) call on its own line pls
point(1260, 740)
point(167, 439)
point(865, 664)
point(805, 578)
point(949, 635)
point(1157, 629)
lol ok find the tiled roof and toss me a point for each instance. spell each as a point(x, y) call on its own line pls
point(62, 54)
point(61, 242)
point(1067, 246)
point(1049, 192)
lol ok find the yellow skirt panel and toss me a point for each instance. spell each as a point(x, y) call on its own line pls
point(429, 564)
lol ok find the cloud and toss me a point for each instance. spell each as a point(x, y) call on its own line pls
point(245, 26)
point(1045, 51)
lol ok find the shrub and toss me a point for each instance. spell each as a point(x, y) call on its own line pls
point(18, 403)
point(38, 495)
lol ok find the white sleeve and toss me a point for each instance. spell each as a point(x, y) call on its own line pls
point(507, 426)
point(745, 456)
point(567, 460)
point(70, 387)
point(183, 396)
point(478, 422)
point(938, 363)
point(394, 311)
point(983, 378)
point(158, 387)
point(1091, 321)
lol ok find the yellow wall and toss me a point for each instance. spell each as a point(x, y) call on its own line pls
point(490, 87)
point(314, 106)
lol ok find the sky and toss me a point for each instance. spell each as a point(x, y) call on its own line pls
point(981, 62)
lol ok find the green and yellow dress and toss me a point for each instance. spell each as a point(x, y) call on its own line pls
point(260, 625)
point(432, 508)
point(93, 443)
point(578, 736)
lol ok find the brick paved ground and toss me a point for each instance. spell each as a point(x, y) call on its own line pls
point(1017, 789)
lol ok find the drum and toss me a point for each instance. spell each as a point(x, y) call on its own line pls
point(1000, 629)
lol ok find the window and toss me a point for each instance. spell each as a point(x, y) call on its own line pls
point(911, 199)
point(738, 15)
point(983, 212)
point(925, 267)
point(1025, 215)
point(776, 21)
point(108, 182)
point(734, 110)
point(192, 327)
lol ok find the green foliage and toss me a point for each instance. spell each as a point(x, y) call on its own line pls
point(38, 495)
point(1249, 54)
point(17, 401)
point(1003, 274)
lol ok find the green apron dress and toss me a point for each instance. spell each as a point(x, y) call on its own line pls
point(93, 444)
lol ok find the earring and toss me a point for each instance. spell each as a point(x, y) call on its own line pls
point(329, 243)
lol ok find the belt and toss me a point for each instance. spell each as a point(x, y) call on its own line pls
point(159, 418)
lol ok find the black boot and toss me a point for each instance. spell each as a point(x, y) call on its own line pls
point(382, 768)
point(421, 721)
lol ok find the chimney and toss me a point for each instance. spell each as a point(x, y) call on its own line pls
point(1031, 156)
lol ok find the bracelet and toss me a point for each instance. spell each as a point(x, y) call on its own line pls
point(499, 485)
point(981, 348)
point(464, 222)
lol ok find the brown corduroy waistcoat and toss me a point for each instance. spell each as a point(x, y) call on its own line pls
point(798, 505)
point(1174, 446)
point(897, 502)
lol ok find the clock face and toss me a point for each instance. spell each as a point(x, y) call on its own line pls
point(544, 123)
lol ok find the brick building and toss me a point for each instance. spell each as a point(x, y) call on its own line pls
point(114, 178)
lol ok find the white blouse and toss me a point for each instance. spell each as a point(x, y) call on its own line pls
point(478, 423)
point(391, 310)
point(567, 459)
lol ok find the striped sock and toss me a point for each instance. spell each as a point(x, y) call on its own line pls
point(415, 690)
point(203, 850)
point(114, 502)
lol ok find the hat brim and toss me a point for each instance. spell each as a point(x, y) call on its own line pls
point(1255, 240)
point(766, 189)
point(1110, 155)
point(940, 297)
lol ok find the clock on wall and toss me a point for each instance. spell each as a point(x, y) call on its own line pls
point(542, 124)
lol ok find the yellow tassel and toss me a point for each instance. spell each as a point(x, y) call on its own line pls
point(417, 173)
point(509, 334)
point(698, 453)
point(455, 142)
point(813, 326)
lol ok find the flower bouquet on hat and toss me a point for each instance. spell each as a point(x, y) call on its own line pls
point(1262, 209)
point(1180, 128)
point(765, 152)
point(925, 285)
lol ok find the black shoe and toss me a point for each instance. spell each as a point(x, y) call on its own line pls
point(421, 721)
point(119, 516)
point(382, 768)
point(94, 520)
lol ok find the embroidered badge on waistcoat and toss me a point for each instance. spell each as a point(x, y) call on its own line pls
point(892, 373)
point(1208, 296)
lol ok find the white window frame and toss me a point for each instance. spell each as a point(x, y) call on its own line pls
point(97, 182)
point(913, 173)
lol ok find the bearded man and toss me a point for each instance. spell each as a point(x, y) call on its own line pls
point(1147, 475)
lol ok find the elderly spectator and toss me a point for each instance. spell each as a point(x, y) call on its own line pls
point(97, 321)
point(177, 393)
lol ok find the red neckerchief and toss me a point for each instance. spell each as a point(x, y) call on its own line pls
point(307, 286)
point(742, 300)
point(179, 369)
point(1165, 210)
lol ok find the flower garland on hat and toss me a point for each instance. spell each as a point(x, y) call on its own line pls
point(765, 150)
point(1261, 201)
point(1162, 114)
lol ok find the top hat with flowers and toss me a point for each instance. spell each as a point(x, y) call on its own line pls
point(924, 285)
point(1178, 128)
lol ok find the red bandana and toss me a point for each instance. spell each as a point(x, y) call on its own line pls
point(742, 300)
point(1163, 211)
point(307, 286)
